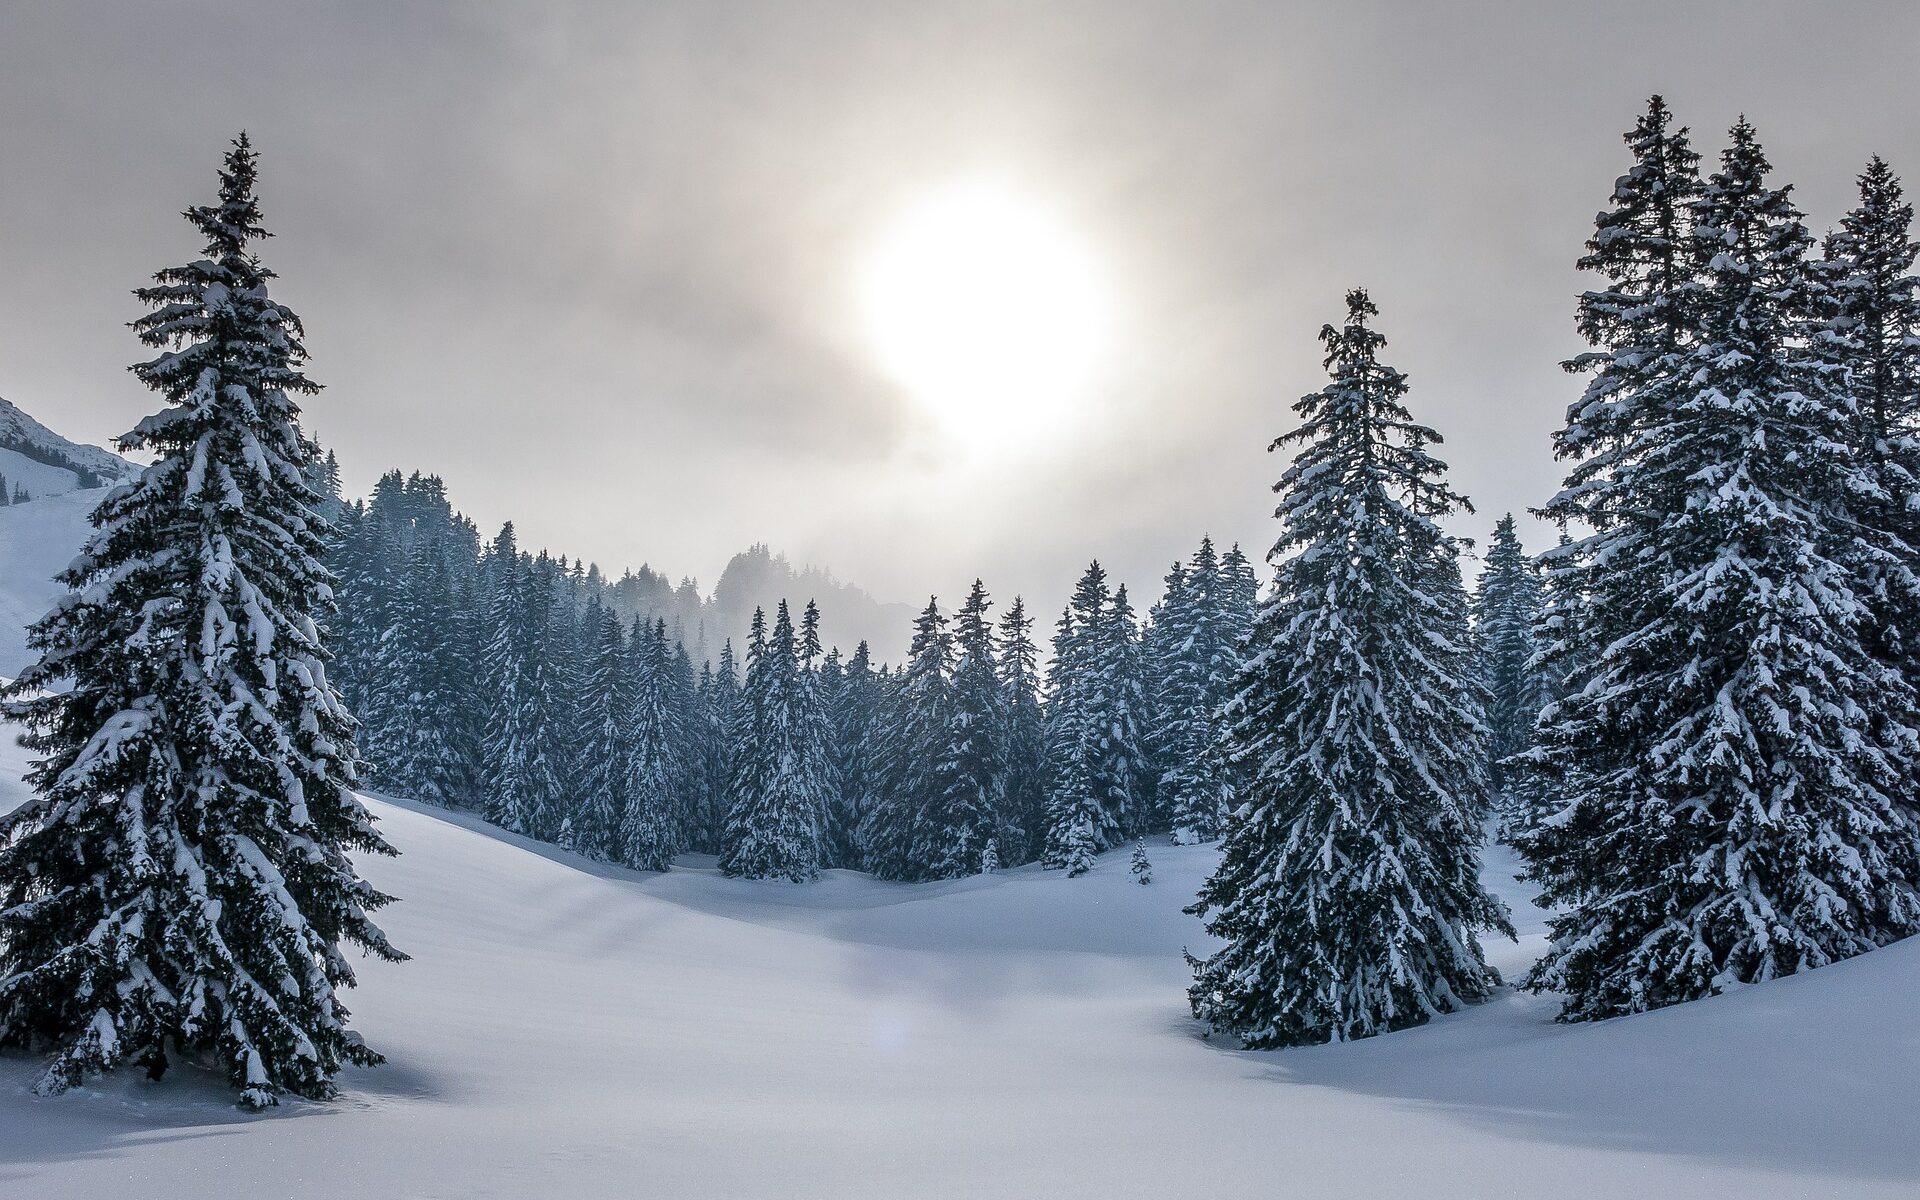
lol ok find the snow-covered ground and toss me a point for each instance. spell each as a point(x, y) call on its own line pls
point(574, 1030)
point(37, 540)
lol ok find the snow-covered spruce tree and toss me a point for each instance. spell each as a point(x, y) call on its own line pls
point(606, 720)
point(179, 885)
point(1195, 666)
point(1122, 774)
point(1640, 325)
point(648, 830)
point(815, 721)
point(520, 780)
point(720, 722)
point(1082, 816)
point(564, 639)
point(1140, 866)
point(1023, 817)
point(958, 821)
point(683, 723)
point(1868, 349)
point(1075, 820)
point(905, 832)
point(425, 654)
point(854, 754)
point(1241, 598)
point(1732, 760)
point(1348, 891)
point(773, 826)
point(1161, 636)
point(1506, 607)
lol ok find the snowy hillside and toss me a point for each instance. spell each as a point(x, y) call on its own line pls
point(567, 1030)
point(49, 464)
point(36, 541)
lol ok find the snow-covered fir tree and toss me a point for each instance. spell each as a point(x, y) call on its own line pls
point(1348, 890)
point(854, 751)
point(1506, 607)
point(780, 784)
point(180, 883)
point(1096, 696)
point(909, 830)
point(1195, 654)
point(1867, 346)
point(719, 715)
point(1124, 768)
point(956, 823)
point(521, 782)
point(1023, 817)
point(1139, 865)
point(607, 719)
point(649, 832)
point(1241, 599)
point(1079, 825)
point(1732, 760)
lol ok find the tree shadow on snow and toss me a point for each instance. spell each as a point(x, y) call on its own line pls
point(1811, 1074)
point(123, 1112)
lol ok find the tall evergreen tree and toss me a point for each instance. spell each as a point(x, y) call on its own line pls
point(521, 782)
point(907, 830)
point(1122, 766)
point(180, 882)
point(1078, 826)
point(649, 833)
point(1199, 632)
point(1868, 351)
point(720, 717)
point(1506, 608)
point(607, 720)
point(1348, 890)
point(1732, 757)
point(957, 823)
point(773, 827)
point(1023, 821)
point(855, 754)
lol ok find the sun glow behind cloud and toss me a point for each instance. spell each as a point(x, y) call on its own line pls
point(988, 309)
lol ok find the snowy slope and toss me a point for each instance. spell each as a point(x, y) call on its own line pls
point(578, 1031)
point(581, 1031)
point(38, 478)
point(48, 463)
point(37, 540)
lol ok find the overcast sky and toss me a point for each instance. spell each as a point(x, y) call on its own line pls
point(593, 263)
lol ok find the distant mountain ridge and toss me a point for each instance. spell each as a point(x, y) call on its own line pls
point(46, 464)
point(757, 577)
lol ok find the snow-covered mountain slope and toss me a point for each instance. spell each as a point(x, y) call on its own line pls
point(581, 1031)
point(49, 464)
point(36, 541)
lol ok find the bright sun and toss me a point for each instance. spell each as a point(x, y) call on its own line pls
point(987, 309)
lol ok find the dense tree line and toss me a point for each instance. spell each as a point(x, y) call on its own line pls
point(525, 686)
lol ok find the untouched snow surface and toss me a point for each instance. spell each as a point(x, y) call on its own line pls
point(575, 1030)
point(37, 540)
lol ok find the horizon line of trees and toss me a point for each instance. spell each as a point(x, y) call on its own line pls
point(525, 687)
